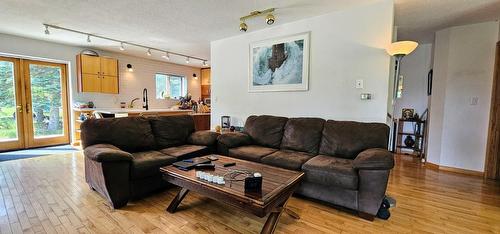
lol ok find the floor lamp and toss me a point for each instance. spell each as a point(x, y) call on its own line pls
point(398, 50)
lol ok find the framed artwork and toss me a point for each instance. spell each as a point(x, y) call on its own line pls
point(407, 113)
point(280, 64)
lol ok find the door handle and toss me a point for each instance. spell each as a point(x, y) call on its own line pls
point(27, 108)
point(20, 108)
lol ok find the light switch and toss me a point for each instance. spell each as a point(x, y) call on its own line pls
point(474, 100)
point(359, 84)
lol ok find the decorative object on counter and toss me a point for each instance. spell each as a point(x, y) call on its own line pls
point(185, 103)
point(81, 105)
point(129, 68)
point(407, 113)
point(218, 129)
point(232, 128)
point(409, 142)
point(91, 104)
point(280, 64)
point(123, 104)
point(225, 121)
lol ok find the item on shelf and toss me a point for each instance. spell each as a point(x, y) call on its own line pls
point(91, 104)
point(409, 142)
point(218, 128)
point(83, 117)
point(185, 103)
point(225, 121)
point(407, 113)
point(232, 128)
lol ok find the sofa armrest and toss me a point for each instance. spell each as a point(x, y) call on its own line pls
point(206, 138)
point(234, 139)
point(374, 159)
point(106, 153)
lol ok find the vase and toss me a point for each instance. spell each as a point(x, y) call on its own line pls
point(409, 142)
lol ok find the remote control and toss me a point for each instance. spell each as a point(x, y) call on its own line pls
point(205, 165)
point(229, 164)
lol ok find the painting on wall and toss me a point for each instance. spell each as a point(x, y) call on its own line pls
point(280, 64)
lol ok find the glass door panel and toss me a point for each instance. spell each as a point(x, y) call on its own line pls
point(11, 107)
point(47, 103)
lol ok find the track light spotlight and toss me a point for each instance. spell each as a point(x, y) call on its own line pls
point(47, 32)
point(166, 56)
point(122, 46)
point(149, 52)
point(88, 38)
point(204, 63)
point(270, 19)
point(243, 27)
point(187, 59)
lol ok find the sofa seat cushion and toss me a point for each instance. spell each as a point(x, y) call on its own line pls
point(186, 151)
point(251, 152)
point(287, 159)
point(331, 171)
point(148, 163)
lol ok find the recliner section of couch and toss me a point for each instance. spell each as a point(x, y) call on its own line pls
point(346, 163)
point(123, 155)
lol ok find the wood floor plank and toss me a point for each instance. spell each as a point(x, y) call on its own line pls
point(49, 195)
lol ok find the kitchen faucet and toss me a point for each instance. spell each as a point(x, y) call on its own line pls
point(145, 99)
point(131, 105)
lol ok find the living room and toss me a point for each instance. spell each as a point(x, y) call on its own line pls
point(273, 116)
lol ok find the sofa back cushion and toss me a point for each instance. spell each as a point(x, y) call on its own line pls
point(303, 134)
point(265, 130)
point(171, 130)
point(131, 134)
point(346, 139)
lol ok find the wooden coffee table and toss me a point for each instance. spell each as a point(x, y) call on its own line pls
point(277, 186)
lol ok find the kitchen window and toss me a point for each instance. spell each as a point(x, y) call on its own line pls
point(170, 86)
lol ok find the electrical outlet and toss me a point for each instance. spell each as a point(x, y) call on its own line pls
point(359, 84)
point(474, 100)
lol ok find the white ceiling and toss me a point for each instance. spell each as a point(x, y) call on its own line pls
point(188, 26)
point(183, 26)
point(419, 19)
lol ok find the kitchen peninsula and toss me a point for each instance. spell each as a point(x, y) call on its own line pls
point(202, 120)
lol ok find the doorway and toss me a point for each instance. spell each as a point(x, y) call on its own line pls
point(33, 104)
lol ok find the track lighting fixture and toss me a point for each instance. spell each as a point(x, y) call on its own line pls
point(166, 56)
point(243, 27)
point(204, 63)
point(129, 67)
point(194, 76)
point(149, 51)
point(270, 19)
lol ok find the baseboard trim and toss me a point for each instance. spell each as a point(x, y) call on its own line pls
point(454, 169)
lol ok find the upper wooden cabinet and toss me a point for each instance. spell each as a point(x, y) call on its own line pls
point(206, 81)
point(97, 74)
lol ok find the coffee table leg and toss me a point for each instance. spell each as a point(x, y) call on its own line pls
point(177, 200)
point(272, 219)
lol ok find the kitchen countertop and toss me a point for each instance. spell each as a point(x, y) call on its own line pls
point(129, 110)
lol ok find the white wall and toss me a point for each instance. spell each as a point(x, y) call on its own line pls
point(463, 68)
point(131, 84)
point(415, 68)
point(345, 46)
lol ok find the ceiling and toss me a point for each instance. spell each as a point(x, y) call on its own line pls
point(188, 26)
point(419, 19)
point(182, 26)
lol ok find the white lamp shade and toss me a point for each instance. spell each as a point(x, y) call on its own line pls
point(402, 48)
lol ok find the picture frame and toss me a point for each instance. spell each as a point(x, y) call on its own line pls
point(407, 113)
point(280, 64)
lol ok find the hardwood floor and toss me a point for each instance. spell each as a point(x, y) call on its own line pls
point(49, 195)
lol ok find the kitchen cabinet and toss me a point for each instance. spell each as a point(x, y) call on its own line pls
point(205, 83)
point(97, 74)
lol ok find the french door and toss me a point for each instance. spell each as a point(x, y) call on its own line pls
point(33, 104)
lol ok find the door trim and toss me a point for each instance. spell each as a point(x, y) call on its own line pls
point(492, 162)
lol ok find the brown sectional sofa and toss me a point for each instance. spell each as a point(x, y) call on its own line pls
point(345, 163)
point(123, 155)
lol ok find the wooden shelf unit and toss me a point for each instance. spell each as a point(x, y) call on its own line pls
point(76, 141)
point(418, 136)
